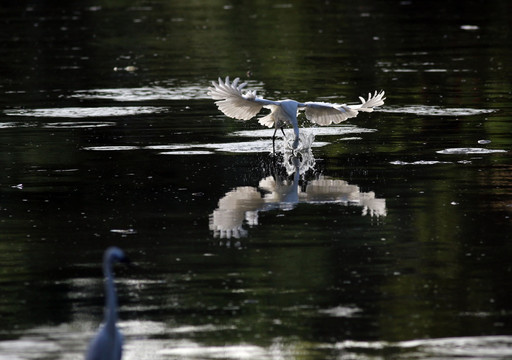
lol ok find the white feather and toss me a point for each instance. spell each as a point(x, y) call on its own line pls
point(232, 102)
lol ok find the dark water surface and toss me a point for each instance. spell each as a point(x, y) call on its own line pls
point(390, 237)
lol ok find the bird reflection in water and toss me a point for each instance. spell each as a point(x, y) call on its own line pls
point(240, 207)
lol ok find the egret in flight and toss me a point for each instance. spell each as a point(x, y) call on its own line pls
point(108, 343)
point(244, 106)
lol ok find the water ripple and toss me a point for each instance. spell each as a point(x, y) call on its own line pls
point(434, 110)
point(111, 148)
point(162, 341)
point(187, 152)
point(12, 124)
point(464, 151)
point(419, 162)
point(145, 93)
point(317, 131)
point(85, 112)
point(242, 147)
point(254, 146)
point(477, 347)
point(341, 311)
point(78, 125)
point(191, 350)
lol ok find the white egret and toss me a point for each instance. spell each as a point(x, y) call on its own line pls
point(108, 343)
point(244, 106)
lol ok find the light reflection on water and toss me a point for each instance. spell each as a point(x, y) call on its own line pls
point(317, 131)
point(85, 112)
point(253, 146)
point(144, 93)
point(479, 347)
point(469, 151)
point(143, 340)
point(77, 125)
point(433, 110)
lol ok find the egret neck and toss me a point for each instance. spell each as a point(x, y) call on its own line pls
point(111, 297)
point(290, 108)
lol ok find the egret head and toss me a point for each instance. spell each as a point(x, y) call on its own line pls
point(114, 254)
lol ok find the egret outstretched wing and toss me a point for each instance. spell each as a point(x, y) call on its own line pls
point(234, 103)
point(373, 101)
point(322, 113)
point(325, 113)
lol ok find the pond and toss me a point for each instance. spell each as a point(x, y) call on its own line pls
point(388, 236)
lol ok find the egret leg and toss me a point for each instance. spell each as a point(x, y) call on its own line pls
point(274, 141)
point(274, 138)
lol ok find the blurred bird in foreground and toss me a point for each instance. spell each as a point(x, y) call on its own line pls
point(108, 343)
point(244, 106)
